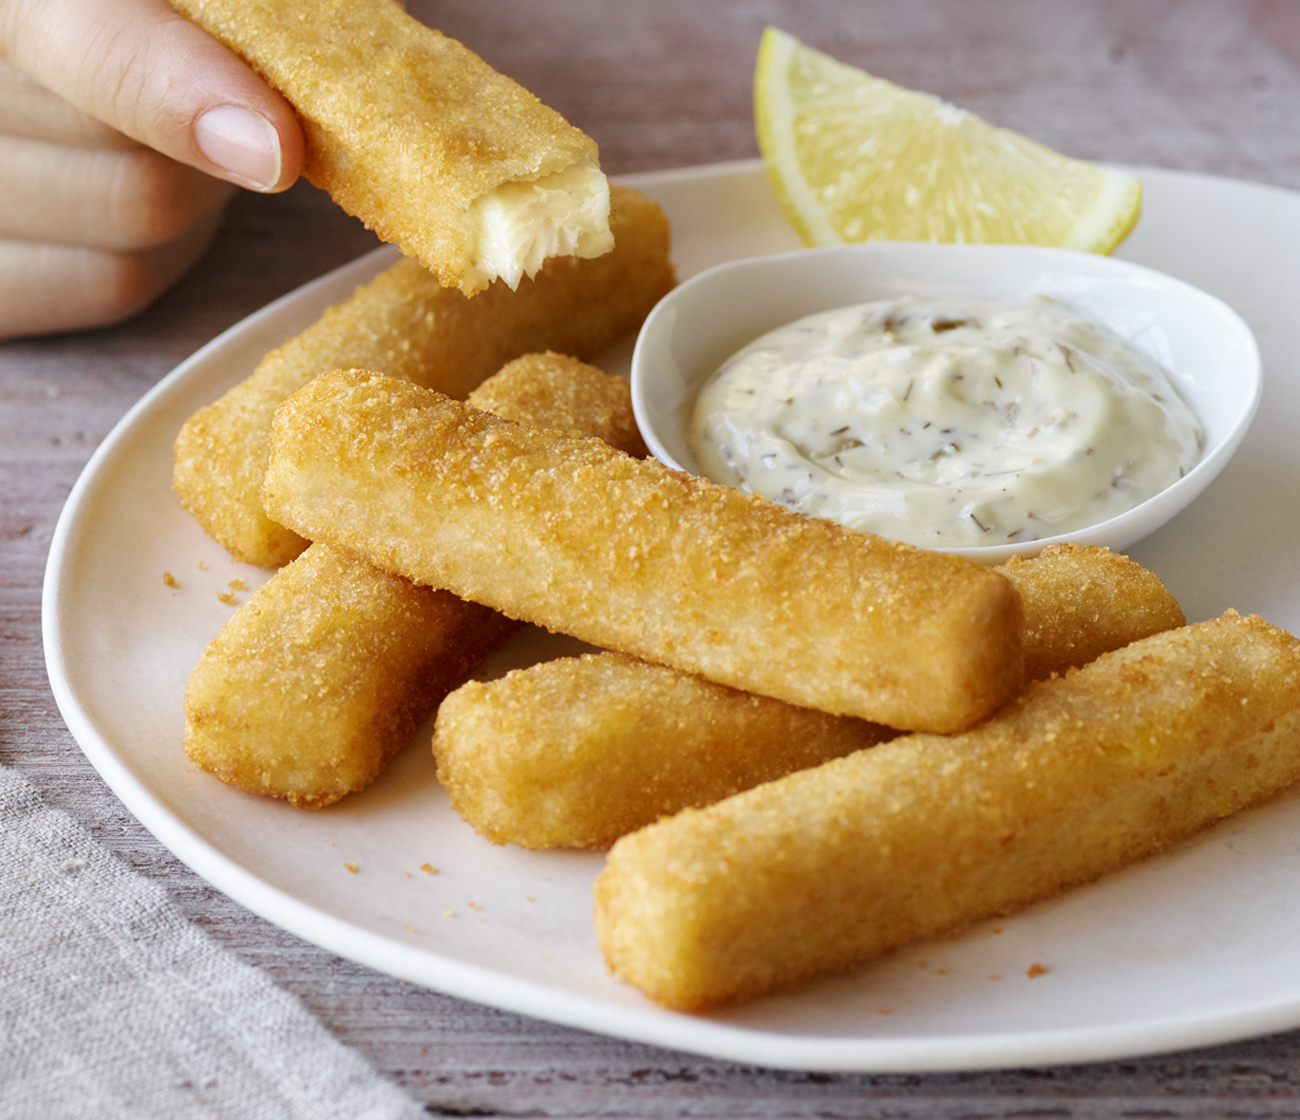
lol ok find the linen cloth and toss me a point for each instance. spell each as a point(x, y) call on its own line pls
point(112, 1004)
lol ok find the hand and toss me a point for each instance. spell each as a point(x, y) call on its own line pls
point(119, 121)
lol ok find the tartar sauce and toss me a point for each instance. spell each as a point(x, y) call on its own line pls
point(947, 425)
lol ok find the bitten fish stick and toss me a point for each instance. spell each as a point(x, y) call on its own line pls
point(416, 135)
point(577, 752)
point(405, 324)
point(632, 556)
point(1079, 775)
point(322, 676)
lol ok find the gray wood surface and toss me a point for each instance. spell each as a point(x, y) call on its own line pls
point(1204, 85)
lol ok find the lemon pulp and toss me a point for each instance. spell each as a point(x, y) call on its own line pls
point(853, 157)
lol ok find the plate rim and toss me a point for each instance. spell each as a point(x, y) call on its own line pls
point(701, 1035)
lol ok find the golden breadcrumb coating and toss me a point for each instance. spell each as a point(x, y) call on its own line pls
point(323, 675)
point(632, 556)
point(405, 324)
point(565, 395)
point(1081, 601)
point(831, 866)
point(577, 752)
point(411, 132)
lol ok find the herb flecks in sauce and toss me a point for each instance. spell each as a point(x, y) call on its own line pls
point(947, 425)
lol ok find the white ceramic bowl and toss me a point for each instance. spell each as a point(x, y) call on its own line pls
point(1205, 346)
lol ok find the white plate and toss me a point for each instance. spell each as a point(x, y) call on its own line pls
point(1191, 948)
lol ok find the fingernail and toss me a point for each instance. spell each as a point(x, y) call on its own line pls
point(244, 145)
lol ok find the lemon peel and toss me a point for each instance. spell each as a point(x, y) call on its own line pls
point(853, 157)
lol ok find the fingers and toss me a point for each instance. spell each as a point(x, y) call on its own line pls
point(145, 70)
point(28, 109)
point(93, 225)
point(113, 115)
point(49, 288)
point(100, 198)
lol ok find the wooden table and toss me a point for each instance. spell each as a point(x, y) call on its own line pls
point(1205, 85)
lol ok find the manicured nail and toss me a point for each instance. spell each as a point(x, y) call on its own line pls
point(242, 144)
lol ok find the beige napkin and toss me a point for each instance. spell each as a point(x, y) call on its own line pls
point(113, 1005)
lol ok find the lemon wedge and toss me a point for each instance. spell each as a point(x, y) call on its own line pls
point(852, 157)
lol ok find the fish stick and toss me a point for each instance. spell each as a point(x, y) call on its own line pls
point(631, 556)
point(317, 681)
point(1081, 602)
point(417, 136)
point(406, 324)
point(1079, 775)
point(576, 752)
point(564, 395)
point(323, 675)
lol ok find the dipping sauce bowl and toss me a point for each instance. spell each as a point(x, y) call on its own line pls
point(1208, 351)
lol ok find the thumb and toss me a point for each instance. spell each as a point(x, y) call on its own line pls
point(143, 68)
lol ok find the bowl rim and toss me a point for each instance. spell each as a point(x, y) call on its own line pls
point(997, 261)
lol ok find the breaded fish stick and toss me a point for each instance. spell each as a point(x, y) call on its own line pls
point(405, 324)
point(323, 675)
point(564, 395)
point(632, 556)
point(1081, 602)
point(1079, 775)
point(574, 753)
point(416, 135)
point(561, 394)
